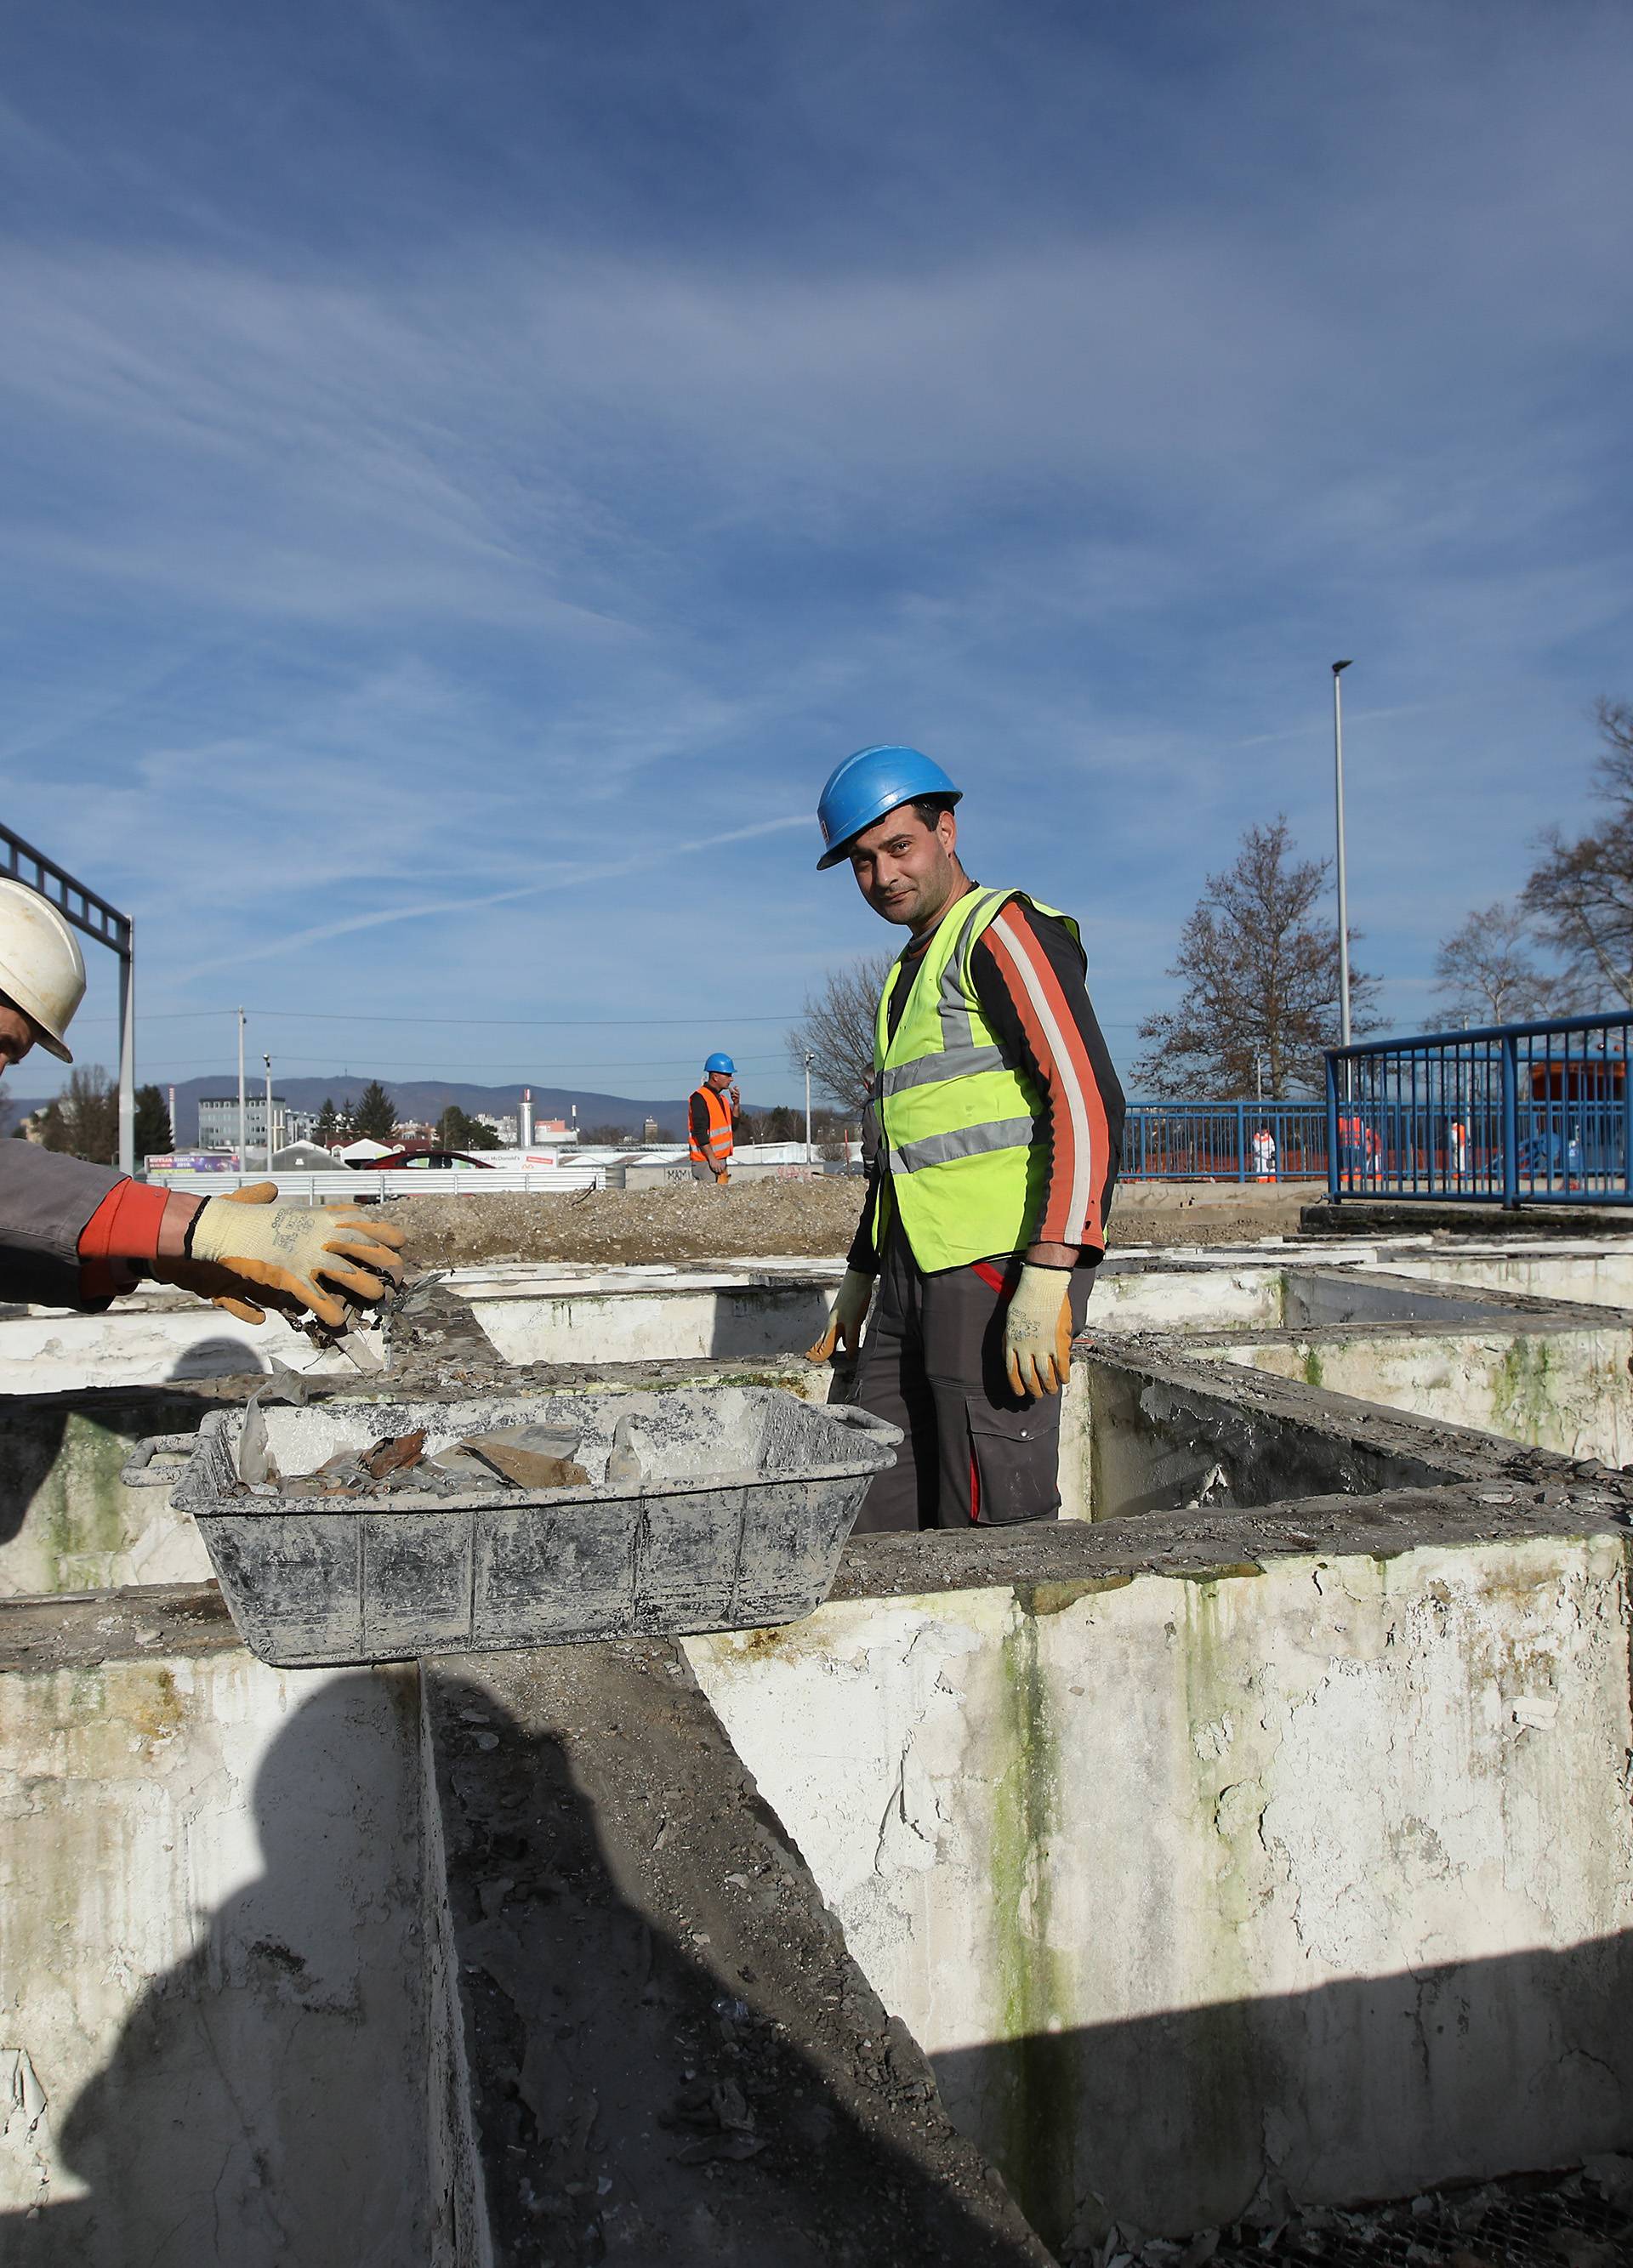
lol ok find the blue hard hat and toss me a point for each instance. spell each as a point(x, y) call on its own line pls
point(720, 1062)
point(866, 786)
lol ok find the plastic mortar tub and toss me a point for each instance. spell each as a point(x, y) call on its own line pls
point(746, 1498)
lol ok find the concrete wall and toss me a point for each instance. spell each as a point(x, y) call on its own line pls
point(142, 1342)
point(1570, 1391)
point(211, 2025)
point(1599, 1276)
point(67, 1521)
point(728, 1319)
point(1319, 1879)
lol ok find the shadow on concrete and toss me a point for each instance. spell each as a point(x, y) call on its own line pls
point(1363, 2090)
point(218, 1357)
point(265, 2100)
point(672, 2056)
point(765, 1322)
point(35, 1430)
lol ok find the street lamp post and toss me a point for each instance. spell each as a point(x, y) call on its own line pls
point(1343, 877)
point(268, 1061)
point(809, 1060)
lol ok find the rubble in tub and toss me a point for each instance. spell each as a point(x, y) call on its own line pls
point(533, 1459)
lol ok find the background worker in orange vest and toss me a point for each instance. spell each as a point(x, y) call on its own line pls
point(712, 1121)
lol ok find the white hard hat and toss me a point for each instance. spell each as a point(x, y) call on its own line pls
point(41, 968)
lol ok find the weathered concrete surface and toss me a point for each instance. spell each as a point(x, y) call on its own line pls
point(1566, 1390)
point(737, 1318)
point(673, 2057)
point(1167, 1429)
point(67, 1521)
point(143, 1341)
point(1596, 1275)
point(211, 2027)
point(1317, 1875)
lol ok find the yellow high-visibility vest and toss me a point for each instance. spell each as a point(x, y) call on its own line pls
point(956, 1122)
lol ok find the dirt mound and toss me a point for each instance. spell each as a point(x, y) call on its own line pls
point(681, 1221)
point(756, 1219)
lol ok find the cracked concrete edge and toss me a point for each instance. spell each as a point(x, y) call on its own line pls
point(1181, 1364)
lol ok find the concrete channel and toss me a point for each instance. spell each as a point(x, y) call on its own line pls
point(1259, 1832)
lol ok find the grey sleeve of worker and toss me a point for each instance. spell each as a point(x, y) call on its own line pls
point(45, 1201)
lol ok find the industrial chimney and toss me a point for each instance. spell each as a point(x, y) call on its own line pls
point(526, 1118)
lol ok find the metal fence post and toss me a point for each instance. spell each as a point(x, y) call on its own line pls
point(1241, 1141)
point(1510, 1124)
point(1335, 1194)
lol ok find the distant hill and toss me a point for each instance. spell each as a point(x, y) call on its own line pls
point(429, 1097)
point(415, 1098)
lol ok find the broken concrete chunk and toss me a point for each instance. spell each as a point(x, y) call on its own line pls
point(256, 1464)
point(393, 1454)
point(530, 1456)
point(624, 1468)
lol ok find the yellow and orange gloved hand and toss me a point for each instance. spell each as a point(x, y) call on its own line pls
point(248, 1253)
point(850, 1313)
point(1038, 1330)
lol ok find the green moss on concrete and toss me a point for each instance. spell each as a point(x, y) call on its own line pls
point(1313, 1367)
point(1037, 2120)
point(1522, 1403)
point(79, 1510)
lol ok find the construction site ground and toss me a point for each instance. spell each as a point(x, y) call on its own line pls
point(814, 1219)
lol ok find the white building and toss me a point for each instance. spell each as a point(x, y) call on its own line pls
point(217, 1122)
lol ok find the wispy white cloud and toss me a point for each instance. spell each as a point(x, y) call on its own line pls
point(411, 524)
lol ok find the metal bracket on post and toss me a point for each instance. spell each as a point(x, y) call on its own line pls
point(1334, 1190)
point(92, 914)
point(127, 1053)
point(1510, 1124)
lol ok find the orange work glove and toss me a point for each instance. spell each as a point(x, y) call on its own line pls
point(1038, 1330)
point(219, 1285)
point(318, 1259)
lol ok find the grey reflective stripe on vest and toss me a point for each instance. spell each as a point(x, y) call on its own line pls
point(967, 1142)
point(929, 1070)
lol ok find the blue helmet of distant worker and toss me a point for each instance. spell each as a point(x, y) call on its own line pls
point(865, 786)
point(721, 1064)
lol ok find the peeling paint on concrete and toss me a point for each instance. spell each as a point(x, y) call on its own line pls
point(1266, 1805)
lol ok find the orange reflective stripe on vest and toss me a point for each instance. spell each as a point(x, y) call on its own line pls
point(718, 1148)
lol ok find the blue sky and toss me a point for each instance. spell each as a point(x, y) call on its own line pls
point(471, 469)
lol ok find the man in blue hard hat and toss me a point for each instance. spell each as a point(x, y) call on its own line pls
point(994, 1128)
point(712, 1121)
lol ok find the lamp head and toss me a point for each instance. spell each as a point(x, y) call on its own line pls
point(1337, 666)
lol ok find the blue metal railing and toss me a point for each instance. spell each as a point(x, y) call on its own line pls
point(1216, 1142)
point(1510, 1115)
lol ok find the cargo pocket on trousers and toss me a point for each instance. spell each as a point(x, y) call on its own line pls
point(1015, 1457)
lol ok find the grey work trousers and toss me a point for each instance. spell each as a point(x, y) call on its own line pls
point(932, 1362)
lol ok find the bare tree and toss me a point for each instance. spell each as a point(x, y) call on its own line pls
point(1260, 978)
point(1486, 972)
point(836, 1029)
point(1580, 895)
point(84, 1119)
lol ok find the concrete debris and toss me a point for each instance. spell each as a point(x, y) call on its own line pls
point(530, 1456)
